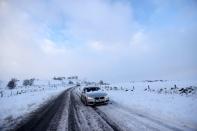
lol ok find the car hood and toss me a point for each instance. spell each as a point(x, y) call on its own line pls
point(96, 94)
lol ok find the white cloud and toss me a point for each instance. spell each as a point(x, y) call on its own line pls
point(98, 39)
point(50, 48)
point(96, 45)
point(140, 42)
point(137, 38)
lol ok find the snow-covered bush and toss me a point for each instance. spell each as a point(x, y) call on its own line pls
point(175, 90)
point(70, 82)
point(101, 82)
point(28, 82)
point(12, 83)
point(59, 78)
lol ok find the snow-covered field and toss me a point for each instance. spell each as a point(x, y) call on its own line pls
point(173, 102)
point(16, 104)
point(170, 101)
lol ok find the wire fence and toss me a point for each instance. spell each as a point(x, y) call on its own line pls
point(26, 89)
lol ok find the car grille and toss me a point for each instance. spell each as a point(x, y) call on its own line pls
point(97, 98)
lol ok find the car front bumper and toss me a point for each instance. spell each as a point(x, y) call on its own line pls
point(96, 102)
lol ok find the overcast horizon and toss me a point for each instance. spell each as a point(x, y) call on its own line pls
point(110, 40)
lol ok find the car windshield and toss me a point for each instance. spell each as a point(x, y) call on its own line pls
point(92, 89)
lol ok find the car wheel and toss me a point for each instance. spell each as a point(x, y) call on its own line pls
point(106, 103)
point(85, 102)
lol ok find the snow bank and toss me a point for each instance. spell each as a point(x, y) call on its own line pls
point(176, 108)
point(24, 100)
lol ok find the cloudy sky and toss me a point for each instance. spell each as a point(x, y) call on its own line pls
point(113, 40)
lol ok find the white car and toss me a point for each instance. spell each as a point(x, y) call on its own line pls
point(92, 95)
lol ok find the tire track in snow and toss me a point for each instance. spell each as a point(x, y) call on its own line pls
point(68, 113)
point(41, 118)
point(114, 126)
point(72, 121)
point(134, 120)
point(61, 113)
point(85, 118)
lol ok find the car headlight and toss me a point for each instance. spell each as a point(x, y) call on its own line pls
point(106, 97)
point(90, 98)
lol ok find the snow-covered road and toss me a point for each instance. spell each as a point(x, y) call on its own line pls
point(68, 113)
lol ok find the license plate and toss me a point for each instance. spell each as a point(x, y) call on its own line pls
point(99, 100)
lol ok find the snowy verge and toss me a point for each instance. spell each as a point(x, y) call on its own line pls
point(180, 109)
point(15, 109)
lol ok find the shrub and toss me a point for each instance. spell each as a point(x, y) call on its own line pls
point(28, 82)
point(70, 82)
point(58, 78)
point(101, 82)
point(12, 83)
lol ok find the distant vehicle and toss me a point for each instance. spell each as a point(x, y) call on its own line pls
point(93, 95)
point(78, 84)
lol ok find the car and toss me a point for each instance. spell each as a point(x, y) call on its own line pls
point(93, 95)
point(78, 84)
